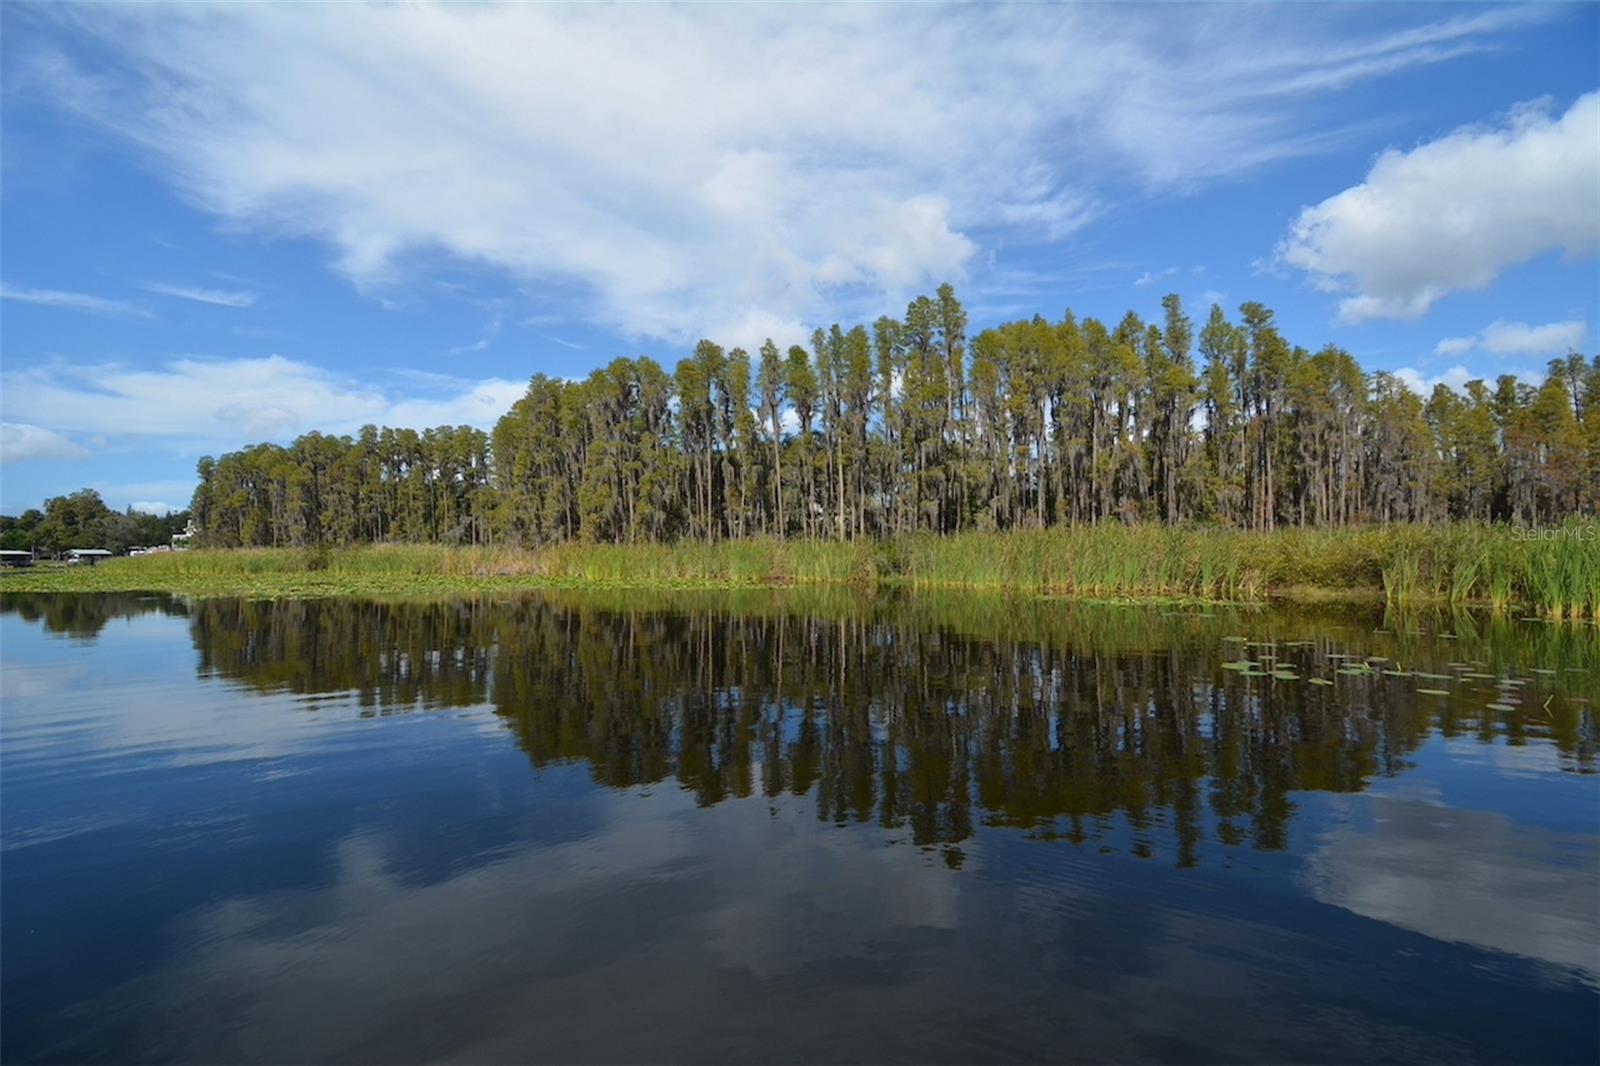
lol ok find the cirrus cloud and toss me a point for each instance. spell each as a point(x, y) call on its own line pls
point(1450, 215)
point(72, 301)
point(214, 297)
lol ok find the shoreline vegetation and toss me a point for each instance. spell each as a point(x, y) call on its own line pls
point(912, 427)
point(1147, 461)
point(1553, 573)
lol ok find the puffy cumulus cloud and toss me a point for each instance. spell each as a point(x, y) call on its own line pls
point(152, 507)
point(1450, 215)
point(19, 440)
point(1519, 338)
point(687, 166)
point(1455, 345)
point(1423, 385)
point(1457, 377)
point(223, 403)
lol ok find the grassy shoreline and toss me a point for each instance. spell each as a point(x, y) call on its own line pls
point(1554, 575)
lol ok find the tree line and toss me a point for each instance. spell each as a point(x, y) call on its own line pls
point(82, 520)
point(913, 426)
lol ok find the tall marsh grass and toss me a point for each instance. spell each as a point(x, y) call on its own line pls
point(1554, 572)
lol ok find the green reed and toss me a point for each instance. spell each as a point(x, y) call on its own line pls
point(1554, 572)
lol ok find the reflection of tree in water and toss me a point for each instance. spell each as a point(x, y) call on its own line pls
point(85, 614)
point(910, 728)
point(887, 717)
point(914, 714)
point(395, 656)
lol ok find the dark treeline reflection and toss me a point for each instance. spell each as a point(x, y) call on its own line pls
point(926, 715)
point(394, 656)
point(85, 614)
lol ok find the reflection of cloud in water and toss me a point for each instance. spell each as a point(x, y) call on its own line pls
point(676, 932)
point(540, 946)
point(60, 713)
point(20, 680)
point(1510, 760)
point(1467, 876)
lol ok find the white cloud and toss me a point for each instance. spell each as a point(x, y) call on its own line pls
point(215, 297)
point(1519, 338)
point(691, 167)
point(1450, 215)
point(19, 440)
point(1456, 378)
point(481, 405)
point(73, 301)
point(1147, 278)
point(226, 403)
point(1464, 876)
point(1455, 345)
point(153, 507)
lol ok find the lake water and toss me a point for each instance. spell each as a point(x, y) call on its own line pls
point(793, 827)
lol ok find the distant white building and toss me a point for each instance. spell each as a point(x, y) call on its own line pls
point(181, 540)
point(86, 556)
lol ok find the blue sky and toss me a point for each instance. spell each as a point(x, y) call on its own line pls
point(232, 224)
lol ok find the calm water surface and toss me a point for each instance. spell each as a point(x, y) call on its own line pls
point(792, 827)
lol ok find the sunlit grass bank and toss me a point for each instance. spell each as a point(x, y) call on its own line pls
point(1554, 573)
